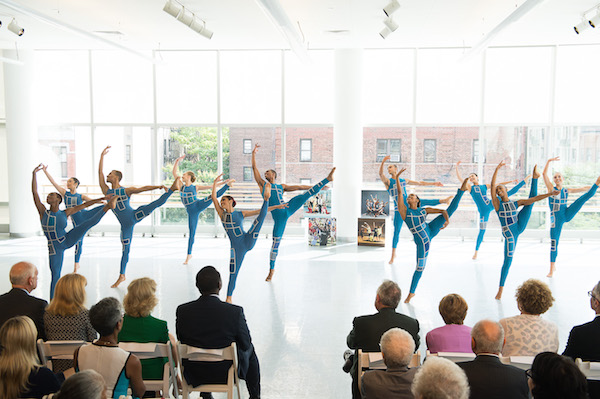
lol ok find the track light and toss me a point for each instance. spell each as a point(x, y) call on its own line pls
point(186, 17)
point(391, 24)
point(385, 32)
point(15, 28)
point(391, 8)
point(595, 21)
point(172, 8)
point(200, 27)
point(580, 27)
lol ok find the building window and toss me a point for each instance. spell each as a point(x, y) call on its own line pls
point(305, 182)
point(389, 147)
point(429, 148)
point(305, 150)
point(128, 153)
point(475, 151)
point(247, 173)
point(61, 154)
point(247, 146)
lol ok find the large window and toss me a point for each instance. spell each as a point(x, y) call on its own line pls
point(389, 147)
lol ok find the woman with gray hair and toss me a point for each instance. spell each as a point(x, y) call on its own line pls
point(119, 368)
point(440, 378)
point(86, 384)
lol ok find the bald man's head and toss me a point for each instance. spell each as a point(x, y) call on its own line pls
point(487, 337)
point(23, 275)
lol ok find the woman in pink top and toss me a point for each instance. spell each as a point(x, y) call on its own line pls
point(454, 336)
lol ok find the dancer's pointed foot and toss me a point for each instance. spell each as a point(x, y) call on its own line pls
point(229, 299)
point(112, 203)
point(267, 191)
point(552, 269)
point(465, 185)
point(598, 181)
point(475, 256)
point(177, 184)
point(330, 175)
point(536, 174)
point(409, 297)
point(187, 259)
point(499, 294)
point(119, 281)
point(76, 267)
point(270, 276)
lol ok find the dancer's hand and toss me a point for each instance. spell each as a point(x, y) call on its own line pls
point(554, 159)
point(105, 151)
point(229, 182)
point(444, 225)
point(438, 184)
point(555, 192)
point(458, 163)
point(256, 147)
point(386, 158)
point(38, 168)
point(501, 164)
point(181, 158)
point(281, 206)
point(218, 179)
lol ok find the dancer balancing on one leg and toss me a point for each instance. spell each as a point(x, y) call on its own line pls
point(281, 216)
point(560, 213)
point(241, 241)
point(127, 216)
point(392, 188)
point(484, 204)
point(513, 223)
point(72, 199)
point(193, 205)
point(54, 222)
point(414, 216)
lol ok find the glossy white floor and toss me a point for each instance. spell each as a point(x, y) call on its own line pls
point(299, 321)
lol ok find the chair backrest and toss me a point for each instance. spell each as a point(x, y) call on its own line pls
point(50, 350)
point(591, 370)
point(153, 350)
point(194, 354)
point(522, 362)
point(456, 356)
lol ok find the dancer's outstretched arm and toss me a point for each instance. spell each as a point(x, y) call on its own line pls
point(547, 180)
point(137, 190)
point(460, 179)
point(400, 204)
point(36, 197)
point(382, 175)
point(269, 209)
point(58, 188)
point(424, 183)
point(257, 177)
point(442, 211)
point(72, 210)
point(213, 196)
point(529, 201)
point(103, 185)
point(495, 200)
point(578, 190)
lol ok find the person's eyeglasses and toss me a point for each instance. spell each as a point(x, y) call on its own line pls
point(528, 373)
point(591, 294)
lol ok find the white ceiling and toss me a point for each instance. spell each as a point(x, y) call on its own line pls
point(242, 24)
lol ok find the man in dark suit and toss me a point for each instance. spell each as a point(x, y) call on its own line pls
point(488, 377)
point(367, 330)
point(18, 301)
point(210, 323)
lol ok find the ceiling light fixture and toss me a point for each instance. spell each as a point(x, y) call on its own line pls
point(172, 8)
point(583, 25)
point(186, 17)
point(15, 28)
point(385, 32)
point(391, 8)
point(391, 24)
point(595, 20)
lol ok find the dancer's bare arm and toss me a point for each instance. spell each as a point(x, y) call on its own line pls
point(257, 177)
point(58, 188)
point(101, 178)
point(382, 176)
point(36, 197)
point(495, 200)
point(269, 209)
point(529, 201)
point(547, 180)
point(137, 190)
point(213, 196)
point(442, 211)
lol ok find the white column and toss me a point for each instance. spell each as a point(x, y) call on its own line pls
point(22, 143)
point(347, 142)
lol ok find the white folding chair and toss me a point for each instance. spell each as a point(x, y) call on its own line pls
point(54, 350)
point(456, 356)
point(191, 353)
point(155, 350)
point(522, 362)
point(591, 370)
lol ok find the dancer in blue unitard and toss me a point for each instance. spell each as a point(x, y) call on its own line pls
point(241, 241)
point(560, 213)
point(483, 202)
point(392, 188)
point(414, 216)
point(73, 198)
point(513, 223)
point(54, 222)
point(127, 216)
point(193, 205)
point(281, 216)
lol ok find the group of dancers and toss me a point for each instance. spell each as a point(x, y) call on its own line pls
point(54, 220)
point(409, 209)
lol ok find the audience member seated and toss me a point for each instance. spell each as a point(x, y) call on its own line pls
point(454, 336)
point(21, 376)
point(583, 340)
point(119, 368)
point(553, 376)
point(139, 326)
point(66, 317)
point(18, 301)
point(488, 377)
point(86, 384)
point(397, 348)
point(528, 334)
point(367, 330)
point(210, 323)
point(440, 378)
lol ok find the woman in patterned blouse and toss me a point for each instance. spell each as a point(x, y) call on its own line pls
point(66, 317)
point(528, 334)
